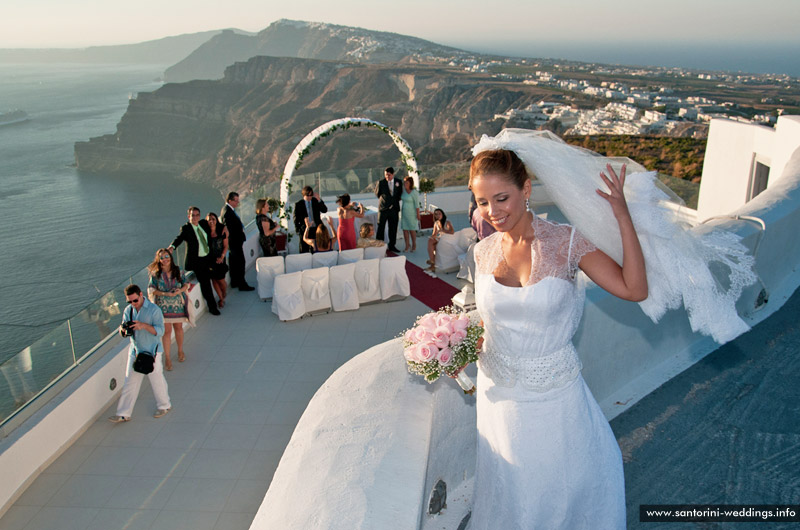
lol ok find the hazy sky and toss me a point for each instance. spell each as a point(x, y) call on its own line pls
point(471, 24)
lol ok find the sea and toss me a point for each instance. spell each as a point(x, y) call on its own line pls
point(72, 236)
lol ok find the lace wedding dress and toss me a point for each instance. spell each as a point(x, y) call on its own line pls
point(547, 458)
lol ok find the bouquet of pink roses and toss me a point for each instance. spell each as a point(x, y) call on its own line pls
point(443, 343)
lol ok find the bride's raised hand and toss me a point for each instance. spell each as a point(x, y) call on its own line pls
point(615, 195)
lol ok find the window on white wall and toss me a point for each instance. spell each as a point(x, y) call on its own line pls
point(758, 180)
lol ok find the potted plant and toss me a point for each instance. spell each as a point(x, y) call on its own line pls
point(426, 186)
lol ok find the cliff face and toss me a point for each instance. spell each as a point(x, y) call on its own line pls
point(238, 132)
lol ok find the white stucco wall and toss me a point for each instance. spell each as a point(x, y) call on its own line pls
point(729, 160)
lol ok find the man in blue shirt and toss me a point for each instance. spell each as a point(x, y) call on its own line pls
point(148, 327)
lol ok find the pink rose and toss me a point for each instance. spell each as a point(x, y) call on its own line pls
point(457, 337)
point(445, 356)
point(428, 322)
point(461, 323)
point(418, 335)
point(441, 336)
point(409, 335)
point(410, 354)
point(443, 319)
point(426, 352)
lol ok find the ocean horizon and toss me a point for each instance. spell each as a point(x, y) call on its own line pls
point(765, 58)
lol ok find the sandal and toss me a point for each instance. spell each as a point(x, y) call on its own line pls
point(181, 356)
point(168, 366)
point(221, 303)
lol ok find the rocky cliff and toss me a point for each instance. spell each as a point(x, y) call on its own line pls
point(238, 132)
point(310, 40)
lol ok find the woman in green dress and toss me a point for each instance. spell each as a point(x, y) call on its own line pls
point(410, 221)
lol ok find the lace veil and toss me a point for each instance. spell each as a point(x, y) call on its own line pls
point(679, 261)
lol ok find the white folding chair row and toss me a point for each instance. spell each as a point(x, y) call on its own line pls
point(341, 287)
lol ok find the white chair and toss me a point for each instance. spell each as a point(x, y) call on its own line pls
point(344, 292)
point(287, 296)
point(266, 270)
point(316, 290)
point(451, 246)
point(466, 264)
point(298, 262)
point(351, 256)
point(394, 279)
point(367, 276)
point(375, 252)
point(324, 259)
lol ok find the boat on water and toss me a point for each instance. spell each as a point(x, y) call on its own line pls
point(13, 116)
point(321, 410)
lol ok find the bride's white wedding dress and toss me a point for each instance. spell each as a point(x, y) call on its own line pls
point(547, 458)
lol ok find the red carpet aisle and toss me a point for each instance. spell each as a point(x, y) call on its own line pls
point(432, 292)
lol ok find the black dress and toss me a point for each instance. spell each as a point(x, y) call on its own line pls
point(216, 246)
point(269, 245)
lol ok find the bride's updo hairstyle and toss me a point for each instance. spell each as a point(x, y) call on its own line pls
point(499, 162)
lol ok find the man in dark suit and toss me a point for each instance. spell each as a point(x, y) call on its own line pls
point(389, 191)
point(236, 239)
point(195, 235)
point(309, 207)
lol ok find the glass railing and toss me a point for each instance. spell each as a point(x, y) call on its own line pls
point(29, 374)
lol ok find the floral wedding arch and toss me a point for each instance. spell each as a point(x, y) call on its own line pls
point(326, 129)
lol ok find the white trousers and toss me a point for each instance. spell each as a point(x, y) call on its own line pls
point(133, 382)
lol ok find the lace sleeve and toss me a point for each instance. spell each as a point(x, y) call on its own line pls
point(488, 254)
point(579, 246)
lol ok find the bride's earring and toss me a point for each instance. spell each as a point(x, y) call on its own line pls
point(527, 206)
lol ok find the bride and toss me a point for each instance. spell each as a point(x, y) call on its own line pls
point(547, 457)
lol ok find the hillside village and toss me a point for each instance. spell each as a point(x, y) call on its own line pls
point(657, 108)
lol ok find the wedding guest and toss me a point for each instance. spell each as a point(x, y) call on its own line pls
point(266, 228)
point(198, 258)
point(310, 207)
point(389, 190)
point(410, 214)
point(167, 289)
point(323, 239)
point(236, 239)
point(367, 237)
point(147, 327)
point(440, 226)
point(218, 243)
point(346, 232)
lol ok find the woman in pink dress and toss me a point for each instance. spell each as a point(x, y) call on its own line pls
point(346, 232)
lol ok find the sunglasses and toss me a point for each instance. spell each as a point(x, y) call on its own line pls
point(163, 257)
point(133, 301)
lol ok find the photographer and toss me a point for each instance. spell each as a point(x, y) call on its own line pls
point(346, 232)
point(143, 322)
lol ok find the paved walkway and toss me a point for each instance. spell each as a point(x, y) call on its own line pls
point(725, 431)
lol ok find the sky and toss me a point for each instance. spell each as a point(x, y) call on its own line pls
point(512, 27)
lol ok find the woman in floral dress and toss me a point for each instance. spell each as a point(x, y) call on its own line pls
point(167, 289)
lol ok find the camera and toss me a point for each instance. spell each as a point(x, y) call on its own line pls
point(126, 329)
